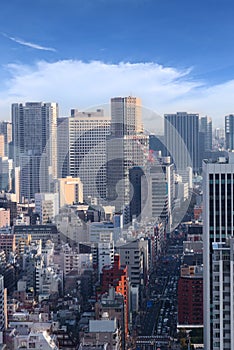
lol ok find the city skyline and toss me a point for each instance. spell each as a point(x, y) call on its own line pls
point(172, 55)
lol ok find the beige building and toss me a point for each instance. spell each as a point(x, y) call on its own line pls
point(70, 191)
point(2, 146)
point(4, 217)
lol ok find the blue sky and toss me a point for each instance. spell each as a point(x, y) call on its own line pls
point(175, 54)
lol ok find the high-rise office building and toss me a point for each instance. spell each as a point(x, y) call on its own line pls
point(6, 130)
point(87, 151)
point(182, 139)
point(34, 130)
point(2, 146)
point(229, 131)
point(218, 253)
point(135, 178)
point(127, 147)
point(126, 116)
point(205, 128)
point(62, 147)
point(158, 193)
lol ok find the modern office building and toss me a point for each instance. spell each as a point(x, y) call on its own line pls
point(2, 146)
point(182, 139)
point(6, 170)
point(158, 192)
point(218, 253)
point(34, 131)
point(135, 178)
point(127, 147)
point(126, 116)
point(87, 151)
point(205, 128)
point(6, 130)
point(62, 147)
point(229, 131)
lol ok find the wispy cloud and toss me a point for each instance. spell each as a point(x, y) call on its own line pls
point(29, 44)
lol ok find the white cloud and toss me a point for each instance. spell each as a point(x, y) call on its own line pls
point(29, 44)
point(76, 84)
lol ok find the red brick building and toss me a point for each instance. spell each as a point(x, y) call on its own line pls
point(190, 297)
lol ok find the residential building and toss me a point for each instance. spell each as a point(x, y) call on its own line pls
point(101, 332)
point(7, 243)
point(105, 254)
point(134, 255)
point(4, 217)
point(115, 275)
point(190, 296)
point(47, 206)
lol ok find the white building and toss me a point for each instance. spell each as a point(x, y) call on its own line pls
point(102, 332)
point(105, 254)
point(100, 231)
point(36, 340)
point(47, 206)
point(48, 281)
point(218, 192)
point(71, 260)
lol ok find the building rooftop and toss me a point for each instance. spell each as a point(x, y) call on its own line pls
point(104, 326)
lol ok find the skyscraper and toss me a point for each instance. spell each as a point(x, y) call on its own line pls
point(126, 116)
point(205, 128)
point(88, 132)
point(218, 254)
point(6, 130)
point(34, 130)
point(182, 139)
point(127, 147)
point(229, 131)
